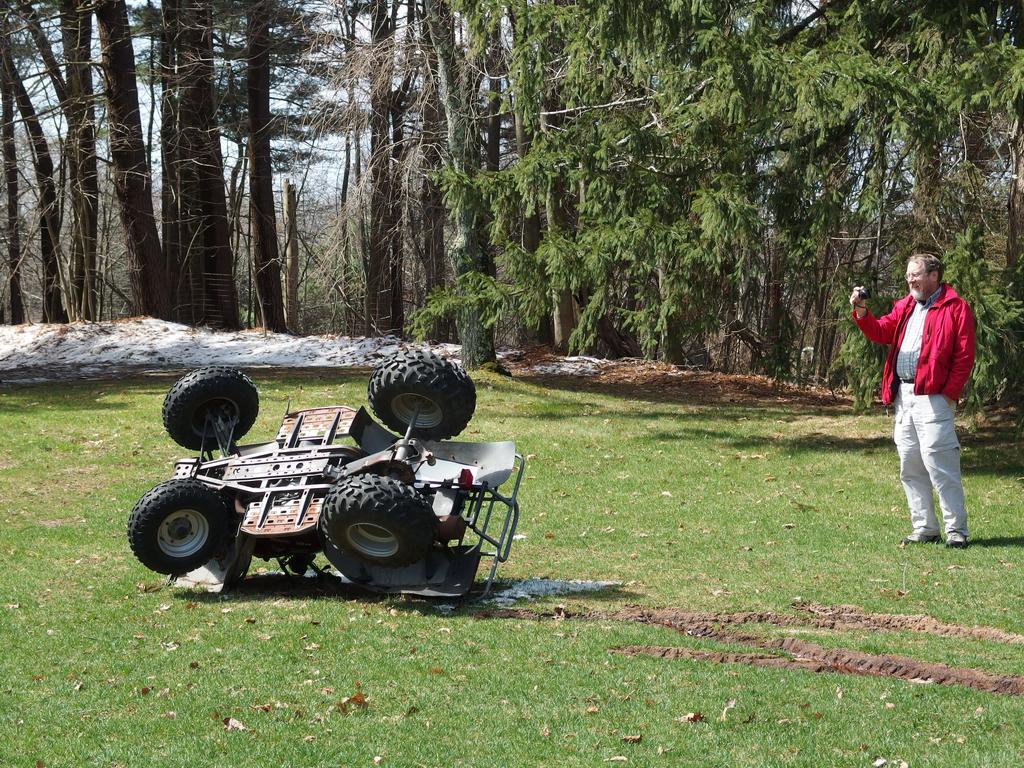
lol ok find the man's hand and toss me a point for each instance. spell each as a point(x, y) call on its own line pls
point(857, 302)
point(952, 403)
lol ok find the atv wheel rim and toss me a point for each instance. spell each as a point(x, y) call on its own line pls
point(225, 409)
point(372, 540)
point(406, 405)
point(183, 533)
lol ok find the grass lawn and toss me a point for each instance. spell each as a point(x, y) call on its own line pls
point(712, 504)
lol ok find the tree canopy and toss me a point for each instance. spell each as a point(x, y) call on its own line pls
point(697, 182)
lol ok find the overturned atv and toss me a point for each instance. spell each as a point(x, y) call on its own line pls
point(412, 513)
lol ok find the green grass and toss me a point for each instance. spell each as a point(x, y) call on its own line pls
point(711, 507)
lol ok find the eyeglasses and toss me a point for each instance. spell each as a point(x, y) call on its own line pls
point(917, 275)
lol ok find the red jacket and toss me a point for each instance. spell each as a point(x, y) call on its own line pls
point(947, 344)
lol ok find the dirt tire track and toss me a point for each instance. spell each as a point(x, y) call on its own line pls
point(793, 653)
point(810, 657)
point(842, 618)
point(852, 617)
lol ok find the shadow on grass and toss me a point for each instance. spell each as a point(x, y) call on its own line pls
point(699, 391)
point(998, 541)
point(275, 586)
point(23, 401)
point(815, 443)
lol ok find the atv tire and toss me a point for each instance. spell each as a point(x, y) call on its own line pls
point(440, 394)
point(177, 526)
point(204, 391)
point(379, 521)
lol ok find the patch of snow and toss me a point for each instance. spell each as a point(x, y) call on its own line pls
point(45, 352)
point(579, 366)
point(530, 589)
point(50, 352)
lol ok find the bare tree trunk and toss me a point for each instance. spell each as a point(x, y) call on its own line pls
point(927, 179)
point(266, 257)
point(203, 237)
point(151, 292)
point(80, 148)
point(494, 117)
point(35, 28)
point(531, 217)
point(618, 343)
point(776, 330)
point(560, 210)
point(291, 249)
point(492, 136)
point(170, 186)
point(378, 288)
point(1015, 200)
point(49, 224)
point(241, 237)
point(564, 315)
point(670, 345)
point(219, 261)
point(431, 200)
point(10, 162)
point(397, 208)
point(465, 254)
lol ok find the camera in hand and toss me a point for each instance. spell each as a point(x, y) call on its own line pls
point(863, 293)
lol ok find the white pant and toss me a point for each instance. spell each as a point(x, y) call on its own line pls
point(929, 458)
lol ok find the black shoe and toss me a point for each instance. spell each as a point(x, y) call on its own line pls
point(956, 541)
point(920, 538)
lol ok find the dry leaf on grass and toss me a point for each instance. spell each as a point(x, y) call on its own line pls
point(231, 724)
point(358, 700)
point(690, 717)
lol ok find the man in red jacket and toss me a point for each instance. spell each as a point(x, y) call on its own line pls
point(931, 336)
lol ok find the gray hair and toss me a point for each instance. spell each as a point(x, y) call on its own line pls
point(928, 263)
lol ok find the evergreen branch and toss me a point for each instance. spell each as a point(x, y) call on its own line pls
point(589, 107)
point(686, 100)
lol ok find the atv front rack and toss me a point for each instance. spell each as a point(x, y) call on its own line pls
point(491, 516)
point(483, 506)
